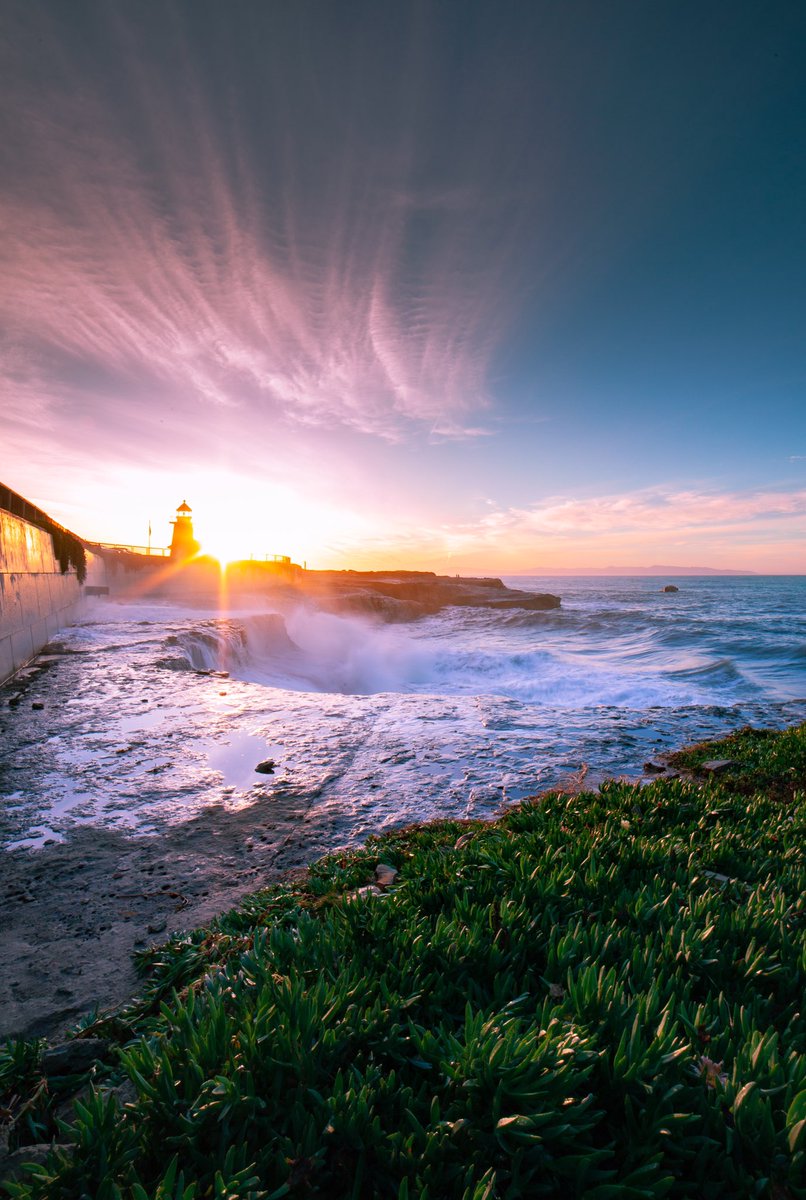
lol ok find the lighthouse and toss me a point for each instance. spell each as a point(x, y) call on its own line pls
point(183, 543)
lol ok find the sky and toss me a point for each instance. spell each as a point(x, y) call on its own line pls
point(467, 286)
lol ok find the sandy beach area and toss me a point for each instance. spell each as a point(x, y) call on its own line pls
point(74, 913)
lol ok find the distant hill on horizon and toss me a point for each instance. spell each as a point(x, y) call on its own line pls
point(656, 569)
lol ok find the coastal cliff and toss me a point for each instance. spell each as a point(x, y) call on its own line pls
point(388, 596)
point(406, 595)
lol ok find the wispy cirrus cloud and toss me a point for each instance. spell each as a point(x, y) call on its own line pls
point(168, 253)
point(646, 526)
point(648, 511)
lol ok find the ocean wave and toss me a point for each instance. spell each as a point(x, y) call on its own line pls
point(644, 654)
point(308, 650)
point(305, 650)
point(717, 671)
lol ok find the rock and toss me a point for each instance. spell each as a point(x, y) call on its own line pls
point(531, 601)
point(670, 587)
point(385, 875)
point(266, 767)
point(11, 1166)
point(715, 766)
point(72, 1058)
point(653, 768)
point(156, 927)
point(404, 595)
point(718, 876)
point(124, 1093)
point(363, 893)
point(37, 704)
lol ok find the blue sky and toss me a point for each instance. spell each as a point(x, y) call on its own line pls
point(460, 285)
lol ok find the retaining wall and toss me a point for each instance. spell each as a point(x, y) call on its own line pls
point(36, 599)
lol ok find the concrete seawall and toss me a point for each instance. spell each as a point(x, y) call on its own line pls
point(36, 597)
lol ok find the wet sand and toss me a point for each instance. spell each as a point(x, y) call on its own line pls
point(72, 914)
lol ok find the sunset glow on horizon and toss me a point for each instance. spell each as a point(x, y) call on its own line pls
point(458, 288)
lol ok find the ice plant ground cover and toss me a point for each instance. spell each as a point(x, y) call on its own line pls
point(598, 995)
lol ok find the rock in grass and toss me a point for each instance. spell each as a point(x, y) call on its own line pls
point(715, 766)
point(363, 893)
point(385, 875)
point(11, 1167)
point(71, 1058)
point(266, 767)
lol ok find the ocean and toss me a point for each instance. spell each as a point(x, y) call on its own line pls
point(373, 726)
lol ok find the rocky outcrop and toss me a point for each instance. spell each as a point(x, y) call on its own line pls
point(405, 595)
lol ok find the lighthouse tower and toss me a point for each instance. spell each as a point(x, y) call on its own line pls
point(183, 543)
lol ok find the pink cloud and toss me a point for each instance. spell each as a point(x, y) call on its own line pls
point(648, 511)
point(132, 288)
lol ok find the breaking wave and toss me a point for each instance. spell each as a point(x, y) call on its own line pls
point(536, 663)
point(306, 650)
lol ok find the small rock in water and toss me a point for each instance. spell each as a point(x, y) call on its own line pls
point(670, 587)
point(715, 766)
point(37, 704)
point(653, 768)
point(266, 767)
point(69, 1058)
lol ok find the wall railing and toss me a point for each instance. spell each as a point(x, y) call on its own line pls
point(18, 506)
point(154, 551)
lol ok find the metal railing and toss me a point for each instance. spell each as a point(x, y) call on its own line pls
point(155, 551)
point(18, 506)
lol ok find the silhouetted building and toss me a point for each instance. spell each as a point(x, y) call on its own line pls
point(183, 543)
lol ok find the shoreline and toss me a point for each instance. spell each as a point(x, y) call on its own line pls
point(77, 912)
point(517, 980)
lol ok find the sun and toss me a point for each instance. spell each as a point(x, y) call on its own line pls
point(239, 518)
point(224, 555)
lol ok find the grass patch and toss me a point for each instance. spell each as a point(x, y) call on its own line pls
point(599, 995)
point(763, 760)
